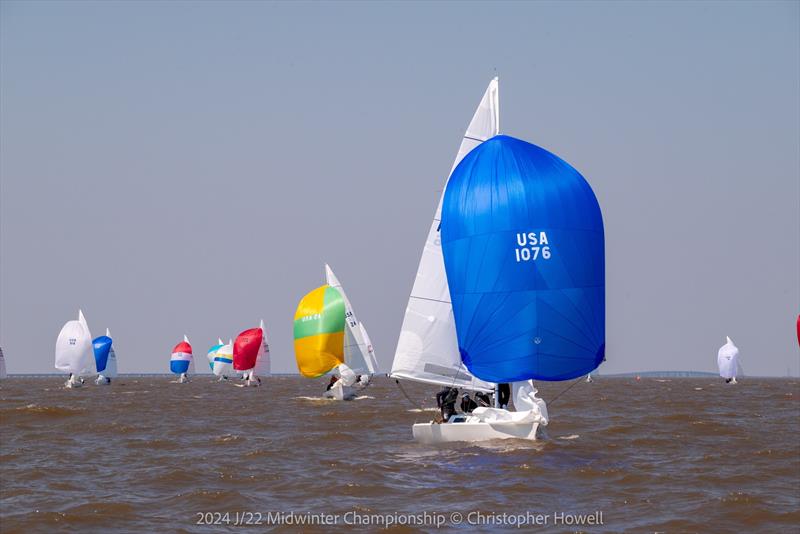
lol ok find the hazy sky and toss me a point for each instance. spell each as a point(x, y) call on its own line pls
point(178, 168)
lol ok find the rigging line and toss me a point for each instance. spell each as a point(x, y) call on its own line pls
point(550, 403)
point(403, 391)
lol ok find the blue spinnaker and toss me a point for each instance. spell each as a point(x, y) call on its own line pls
point(102, 347)
point(522, 238)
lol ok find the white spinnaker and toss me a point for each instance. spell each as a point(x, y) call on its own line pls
point(3, 373)
point(74, 349)
point(263, 365)
point(427, 350)
point(727, 359)
point(356, 353)
point(223, 368)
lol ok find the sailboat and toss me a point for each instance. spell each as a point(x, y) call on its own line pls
point(182, 362)
point(329, 338)
point(105, 359)
point(212, 352)
point(3, 373)
point(728, 361)
point(427, 350)
point(521, 237)
point(223, 361)
point(74, 351)
point(251, 354)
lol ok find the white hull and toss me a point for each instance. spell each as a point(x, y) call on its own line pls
point(450, 432)
point(73, 383)
point(340, 393)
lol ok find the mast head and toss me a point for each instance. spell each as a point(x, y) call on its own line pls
point(185, 338)
point(330, 278)
point(108, 333)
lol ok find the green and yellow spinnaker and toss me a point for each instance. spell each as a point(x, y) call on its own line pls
point(319, 331)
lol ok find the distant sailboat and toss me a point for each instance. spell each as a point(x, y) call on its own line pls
point(223, 361)
point(74, 351)
point(182, 362)
point(105, 359)
point(212, 352)
point(728, 361)
point(3, 373)
point(329, 338)
point(251, 354)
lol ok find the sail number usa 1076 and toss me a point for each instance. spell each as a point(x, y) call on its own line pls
point(532, 246)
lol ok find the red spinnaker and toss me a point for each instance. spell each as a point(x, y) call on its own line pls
point(245, 349)
point(183, 347)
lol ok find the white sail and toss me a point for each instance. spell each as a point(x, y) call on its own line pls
point(263, 365)
point(111, 365)
point(727, 359)
point(223, 362)
point(356, 353)
point(74, 350)
point(372, 362)
point(3, 373)
point(427, 350)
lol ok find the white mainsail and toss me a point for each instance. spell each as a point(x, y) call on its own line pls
point(727, 359)
point(427, 350)
point(74, 349)
point(3, 373)
point(111, 364)
point(372, 362)
point(358, 353)
point(263, 366)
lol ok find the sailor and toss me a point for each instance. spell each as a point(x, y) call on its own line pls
point(333, 381)
point(467, 404)
point(362, 381)
point(446, 401)
point(483, 399)
point(504, 395)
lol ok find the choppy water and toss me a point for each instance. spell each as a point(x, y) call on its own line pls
point(682, 455)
